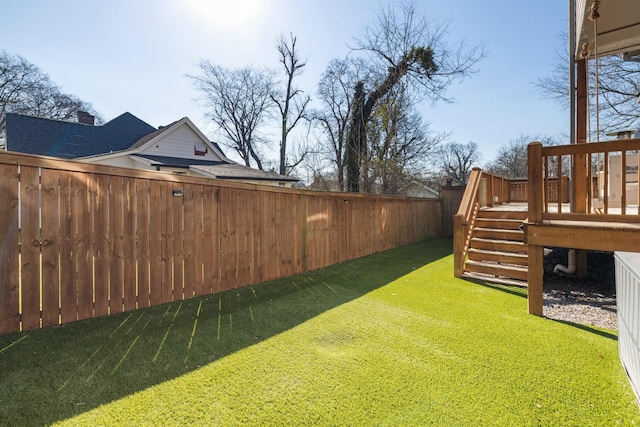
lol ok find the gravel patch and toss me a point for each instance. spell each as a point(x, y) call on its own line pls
point(589, 301)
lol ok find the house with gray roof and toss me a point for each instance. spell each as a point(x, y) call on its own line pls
point(127, 141)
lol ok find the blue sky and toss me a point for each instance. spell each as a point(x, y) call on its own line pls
point(125, 55)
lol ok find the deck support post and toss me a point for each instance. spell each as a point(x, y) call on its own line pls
point(536, 253)
point(535, 280)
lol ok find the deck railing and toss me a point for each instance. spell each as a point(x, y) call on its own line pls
point(605, 184)
point(557, 189)
point(463, 221)
point(486, 189)
point(483, 189)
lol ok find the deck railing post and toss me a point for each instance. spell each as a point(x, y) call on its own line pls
point(535, 253)
point(535, 182)
point(458, 244)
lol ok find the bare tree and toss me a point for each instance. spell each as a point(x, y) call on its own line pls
point(618, 88)
point(25, 89)
point(399, 142)
point(293, 107)
point(237, 101)
point(511, 160)
point(455, 161)
point(404, 46)
point(335, 91)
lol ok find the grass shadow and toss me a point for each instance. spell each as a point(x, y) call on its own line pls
point(54, 374)
point(512, 290)
point(587, 328)
point(522, 292)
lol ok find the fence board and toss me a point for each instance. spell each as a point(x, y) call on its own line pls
point(210, 239)
point(50, 248)
point(268, 245)
point(242, 242)
point(245, 241)
point(252, 202)
point(68, 294)
point(343, 230)
point(277, 248)
point(142, 242)
point(258, 238)
point(83, 224)
point(229, 212)
point(9, 290)
point(217, 209)
point(294, 230)
point(166, 243)
point(312, 217)
point(102, 250)
point(129, 215)
point(286, 233)
point(232, 262)
point(178, 244)
point(198, 240)
point(155, 241)
point(189, 264)
point(116, 237)
point(30, 245)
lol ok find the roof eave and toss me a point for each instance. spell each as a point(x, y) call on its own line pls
point(618, 28)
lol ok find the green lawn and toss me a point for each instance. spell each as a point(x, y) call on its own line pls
point(390, 339)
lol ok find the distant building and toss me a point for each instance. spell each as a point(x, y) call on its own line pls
point(420, 189)
point(127, 141)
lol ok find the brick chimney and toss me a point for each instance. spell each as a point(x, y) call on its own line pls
point(86, 118)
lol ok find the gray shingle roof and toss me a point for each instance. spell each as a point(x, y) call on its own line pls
point(35, 135)
point(179, 161)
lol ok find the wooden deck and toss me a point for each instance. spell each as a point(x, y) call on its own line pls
point(611, 232)
point(485, 242)
point(594, 231)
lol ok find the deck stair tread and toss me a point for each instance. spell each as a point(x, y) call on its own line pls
point(506, 224)
point(499, 270)
point(502, 214)
point(494, 279)
point(497, 252)
point(497, 256)
point(498, 233)
point(499, 245)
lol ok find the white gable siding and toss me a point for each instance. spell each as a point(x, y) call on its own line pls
point(180, 143)
point(123, 161)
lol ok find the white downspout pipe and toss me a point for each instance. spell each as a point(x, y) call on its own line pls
point(570, 268)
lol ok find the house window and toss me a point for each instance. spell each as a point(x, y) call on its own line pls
point(200, 152)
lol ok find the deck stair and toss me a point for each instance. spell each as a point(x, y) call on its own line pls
point(497, 252)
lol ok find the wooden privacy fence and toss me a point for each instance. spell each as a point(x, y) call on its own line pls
point(555, 187)
point(81, 241)
point(450, 197)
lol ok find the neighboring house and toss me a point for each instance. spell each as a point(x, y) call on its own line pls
point(420, 189)
point(127, 141)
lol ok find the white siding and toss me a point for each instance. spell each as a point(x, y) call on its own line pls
point(120, 161)
point(628, 300)
point(180, 143)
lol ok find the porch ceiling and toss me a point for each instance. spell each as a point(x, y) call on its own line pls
point(618, 27)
